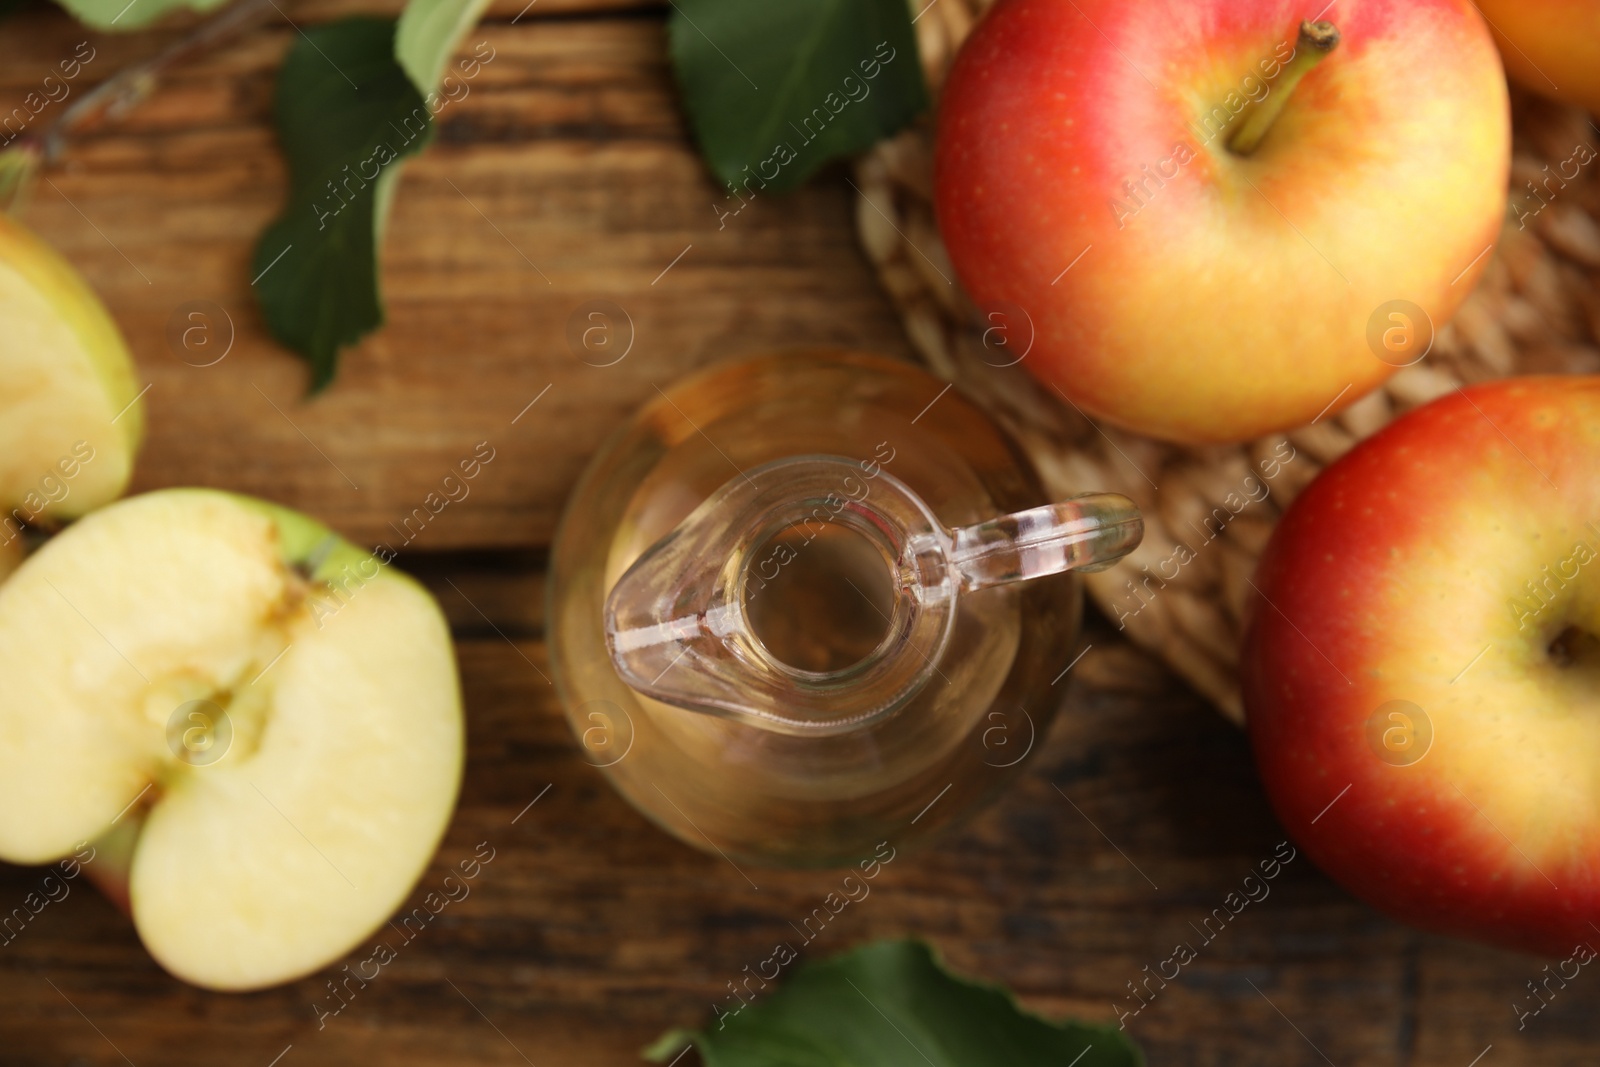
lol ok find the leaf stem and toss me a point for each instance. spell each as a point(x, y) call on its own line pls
point(1316, 40)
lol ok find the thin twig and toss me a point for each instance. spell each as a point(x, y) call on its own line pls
point(115, 96)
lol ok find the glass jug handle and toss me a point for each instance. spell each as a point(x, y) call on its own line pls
point(676, 622)
point(1087, 533)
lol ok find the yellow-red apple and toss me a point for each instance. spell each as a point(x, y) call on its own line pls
point(1550, 46)
point(1206, 208)
point(1422, 672)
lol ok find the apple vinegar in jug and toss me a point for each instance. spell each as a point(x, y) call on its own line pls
point(810, 603)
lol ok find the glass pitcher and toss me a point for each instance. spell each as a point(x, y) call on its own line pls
point(810, 603)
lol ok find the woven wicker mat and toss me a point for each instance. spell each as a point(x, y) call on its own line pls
point(1536, 310)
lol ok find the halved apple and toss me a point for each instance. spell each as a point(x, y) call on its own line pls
point(70, 415)
point(280, 709)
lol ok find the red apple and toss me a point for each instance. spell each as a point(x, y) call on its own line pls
point(1206, 216)
point(1550, 46)
point(1422, 673)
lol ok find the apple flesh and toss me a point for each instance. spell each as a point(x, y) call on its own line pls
point(11, 553)
point(1447, 569)
point(1087, 176)
point(333, 776)
point(1550, 46)
point(70, 417)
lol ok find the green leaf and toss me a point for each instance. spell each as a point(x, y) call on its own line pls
point(346, 113)
point(429, 33)
point(775, 90)
point(123, 15)
point(892, 1003)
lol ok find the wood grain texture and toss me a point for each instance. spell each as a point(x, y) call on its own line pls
point(563, 176)
point(591, 933)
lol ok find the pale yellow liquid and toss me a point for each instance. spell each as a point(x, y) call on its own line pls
point(763, 796)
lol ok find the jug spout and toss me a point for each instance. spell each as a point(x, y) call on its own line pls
point(816, 594)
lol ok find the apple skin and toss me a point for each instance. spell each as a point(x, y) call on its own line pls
point(112, 865)
point(1394, 577)
point(1550, 46)
point(1236, 301)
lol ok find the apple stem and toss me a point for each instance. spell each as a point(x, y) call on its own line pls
point(1316, 40)
point(114, 96)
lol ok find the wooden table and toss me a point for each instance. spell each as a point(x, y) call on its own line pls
point(591, 933)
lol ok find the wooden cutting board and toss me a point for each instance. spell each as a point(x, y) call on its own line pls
point(567, 176)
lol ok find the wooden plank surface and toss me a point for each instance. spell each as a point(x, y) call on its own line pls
point(563, 176)
point(590, 932)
